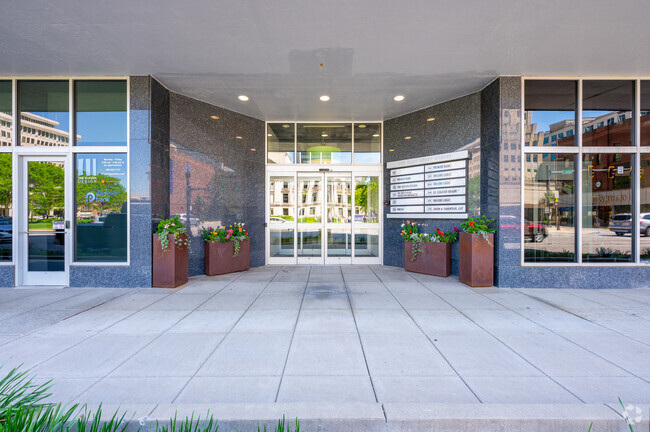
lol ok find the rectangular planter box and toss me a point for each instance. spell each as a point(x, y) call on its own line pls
point(219, 259)
point(476, 260)
point(170, 267)
point(435, 259)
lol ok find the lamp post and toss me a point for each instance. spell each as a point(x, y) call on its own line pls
point(188, 192)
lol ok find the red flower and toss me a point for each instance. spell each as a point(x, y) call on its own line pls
point(456, 229)
point(441, 234)
point(410, 232)
point(471, 224)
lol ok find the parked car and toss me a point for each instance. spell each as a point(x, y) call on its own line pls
point(644, 223)
point(533, 231)
point(277, 219)
point(193, 219)
point(621, 224)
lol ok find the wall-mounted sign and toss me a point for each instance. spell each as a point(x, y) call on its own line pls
point(431, 187)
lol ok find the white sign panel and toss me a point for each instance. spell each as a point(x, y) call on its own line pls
point(403, 171)
point(445, 200)
point(407, 194)
point(408, 201)
point(405, 186)
point(431, 187)
point(407, 209)
point(448, 191)
point(407, 178)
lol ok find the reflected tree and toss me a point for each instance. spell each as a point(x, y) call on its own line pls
point(46, 192)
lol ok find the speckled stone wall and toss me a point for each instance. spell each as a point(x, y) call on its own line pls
point(457, 125)
point(149, 137)
point(217, 173)
point(7, 278)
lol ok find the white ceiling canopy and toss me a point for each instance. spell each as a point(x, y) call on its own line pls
point(285, 54)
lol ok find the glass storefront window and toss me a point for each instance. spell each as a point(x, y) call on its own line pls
point(6, 112)
point(100, 113)
point(644, 218)
point(6, 207)
point(44, 113)
point(324, 143)
point(549, 209)
point(367, 143)
point(645, 113)
point(282, 192)
point(366, 199)
point(607, 217)
point(101, 207)
point(366, 242)
point(550, 113)
point(280, 143)
point(607, 113)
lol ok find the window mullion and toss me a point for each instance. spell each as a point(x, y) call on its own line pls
point(578, 172)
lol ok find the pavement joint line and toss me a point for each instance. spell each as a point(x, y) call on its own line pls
point(501, 341)
point(431, 342)
point(363, 350)
point(566, 338)
point(620, 414)
point(574, 294)
point(227, 333)
point(293, 334)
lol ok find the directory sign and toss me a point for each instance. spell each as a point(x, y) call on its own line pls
point(430, 187)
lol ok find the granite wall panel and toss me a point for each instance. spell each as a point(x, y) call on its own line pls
point(216, 173)
point(7, 276)
point(456, 125)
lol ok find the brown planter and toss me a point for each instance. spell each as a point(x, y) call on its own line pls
point(219, 259)
point(435, 259)
point(170, 267)
point(476, 260)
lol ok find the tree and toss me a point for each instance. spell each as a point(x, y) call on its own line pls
point(361, 192)
point(46, 187)
point(107, 194)
point(5, 180)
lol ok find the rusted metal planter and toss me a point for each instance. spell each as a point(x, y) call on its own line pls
point(435, 259)
point(219, 257)
point(476, 260)
point(170, 267)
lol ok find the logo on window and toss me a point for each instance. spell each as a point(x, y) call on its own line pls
point(90, 197)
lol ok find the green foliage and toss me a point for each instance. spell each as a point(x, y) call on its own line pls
point(479, 225)
point(236, 232)
point(46, 188)
point(172, 226)
point(446, 237)
point(5, 179)
point(18, 389)
point(115, 424)
point(361, 193)
point(282, 426)
point(109, 193)
point(189, 425)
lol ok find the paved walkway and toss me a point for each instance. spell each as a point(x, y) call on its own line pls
point(363, 343)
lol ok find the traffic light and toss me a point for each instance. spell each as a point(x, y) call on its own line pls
point(611, 171)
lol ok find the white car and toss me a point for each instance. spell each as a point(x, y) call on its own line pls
point(193, 219)
point(277, 219)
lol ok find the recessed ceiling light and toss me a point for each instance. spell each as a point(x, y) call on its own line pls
point(323, 135)
point(242, 98)
point(407, 137)
point(362, 126)
point(286, 126)
point(324, 98)
point(431, 119)
point(391, 150)
point(252, 149)
point(375, 135)
point(238, 137)
point(214, 117)
point(270, 135)
point(399, 98)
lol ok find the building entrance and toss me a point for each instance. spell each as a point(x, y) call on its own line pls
point(324, 216)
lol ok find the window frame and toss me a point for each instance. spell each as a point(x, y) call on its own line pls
point(69, 151)
point(636, 150)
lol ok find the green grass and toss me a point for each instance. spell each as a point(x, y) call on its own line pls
point(23, 408)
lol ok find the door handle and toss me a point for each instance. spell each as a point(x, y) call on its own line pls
point(67, 224)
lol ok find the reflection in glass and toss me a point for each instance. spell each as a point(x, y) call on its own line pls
point(324, 143)
point(309, 242)
point(281, 240)
point(44, 113)
point(366, 199)
point(607, 113)
point(366, 242)
point(45, 227)
point(5, 113)
point(280, 143)
point(549, 209)
point(645, 113)
point(101, 207)
point(281, 199)
point(339, 199)
point(339, 241)
point(644, 220)
point(367, 143)
point(607, 203)
point(550, 112)
point(6, 208)
point(310, 199)
point(100, 113)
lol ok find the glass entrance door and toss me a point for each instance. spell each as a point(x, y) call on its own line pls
point(324, 217)
point(43, 222)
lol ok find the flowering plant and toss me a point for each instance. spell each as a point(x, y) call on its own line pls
point(172, 226)
point(236, 233)
point(446, 237)
point(478, 226)
point(410, 232)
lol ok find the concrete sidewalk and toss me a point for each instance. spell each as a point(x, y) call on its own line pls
point(346, 348)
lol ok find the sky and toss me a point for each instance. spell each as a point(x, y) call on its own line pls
point(545, 118)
